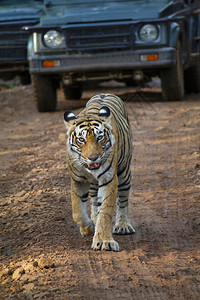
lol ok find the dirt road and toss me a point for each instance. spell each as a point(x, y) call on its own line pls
point(43, 254)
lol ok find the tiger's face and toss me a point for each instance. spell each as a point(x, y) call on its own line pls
point(89, 140)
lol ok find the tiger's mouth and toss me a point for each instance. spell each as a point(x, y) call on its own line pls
point(93, 166)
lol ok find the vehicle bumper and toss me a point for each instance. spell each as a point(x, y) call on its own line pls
point(13, 67)
point(126, 60)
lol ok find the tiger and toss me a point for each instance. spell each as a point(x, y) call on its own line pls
point(99, 152)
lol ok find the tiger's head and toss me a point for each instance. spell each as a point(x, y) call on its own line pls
point(90, 139)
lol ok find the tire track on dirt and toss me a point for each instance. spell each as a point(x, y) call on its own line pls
point(160, 261)
point(164, 203)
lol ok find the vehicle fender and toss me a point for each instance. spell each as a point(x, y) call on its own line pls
point(174, 36)
point(198, 29)
point(30, 47)
point(198, 35)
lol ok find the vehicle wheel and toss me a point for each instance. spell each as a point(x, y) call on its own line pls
point(73, 92)
point(172, 79)
point(131, 83)
point(25, 78)
point(44, 93)
point(192, 78)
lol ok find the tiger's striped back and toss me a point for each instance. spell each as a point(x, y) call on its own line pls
point(119, 112)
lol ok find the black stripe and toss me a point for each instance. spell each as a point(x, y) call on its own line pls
point(93, 188)
point(97, 204)
point(119, 120)
point(107, 145)
point(122, 206)
point(84, 198)
point(77, 149)
point(93, 107)
point(121, 172)
point(124, 183)
point(123, 153)
point(125, 189)
point(80, 123)
point(83, 125)
point(106, 169)
point(95, 124)
point(107, 182)
point(123, 201)
point(85, 195)
point(127, 174)
point(125, 168)
point(82, 177)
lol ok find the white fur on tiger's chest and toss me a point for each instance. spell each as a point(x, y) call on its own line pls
point(99, 176)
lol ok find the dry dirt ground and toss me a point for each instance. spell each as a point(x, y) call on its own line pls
point(43, 255)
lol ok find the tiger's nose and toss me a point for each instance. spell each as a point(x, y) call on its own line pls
point(93, 158)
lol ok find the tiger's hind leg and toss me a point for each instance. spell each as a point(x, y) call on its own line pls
point(122, 223)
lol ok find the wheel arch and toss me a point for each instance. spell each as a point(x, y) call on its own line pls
point(175, 34)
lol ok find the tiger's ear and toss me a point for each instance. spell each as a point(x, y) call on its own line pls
point(68, 117)
point(104, 112)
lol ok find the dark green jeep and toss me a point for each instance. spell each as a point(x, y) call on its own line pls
point(13, 39)
point(79, 41)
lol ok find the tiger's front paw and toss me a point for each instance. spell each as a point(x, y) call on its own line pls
point(123, 229)
point(87, 230)
point(110, 245)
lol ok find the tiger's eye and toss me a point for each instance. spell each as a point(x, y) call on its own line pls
point(81, 140)
point(100, 138)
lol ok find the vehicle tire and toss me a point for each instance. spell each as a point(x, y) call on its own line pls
point(72, 92)
point(192, 78)
point(25, 78)
point(172, 79)
point(131, 83)
point(45, 95)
